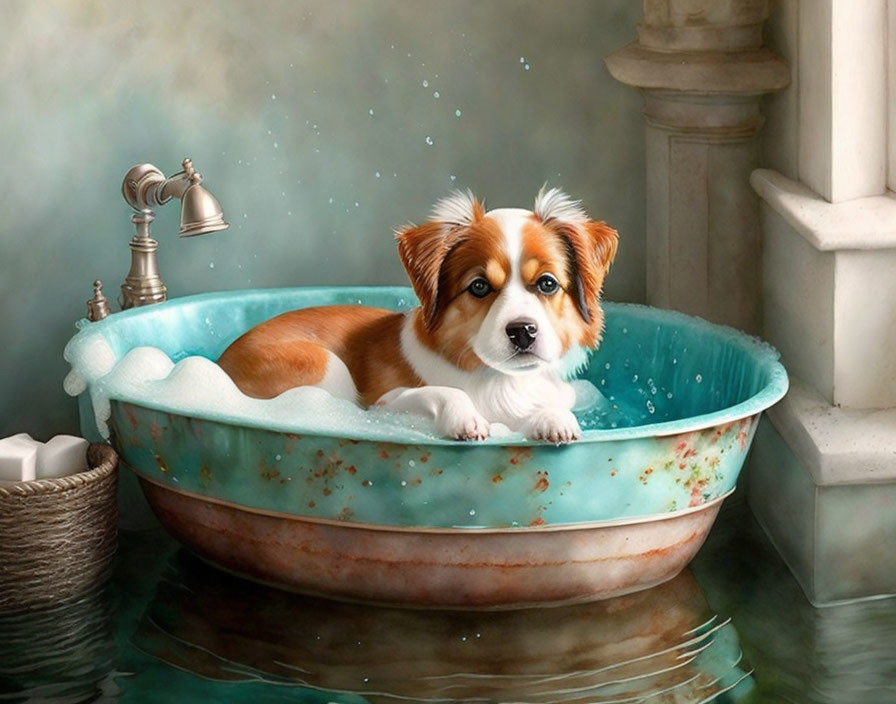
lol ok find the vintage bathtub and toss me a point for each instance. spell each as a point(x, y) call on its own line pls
point(396, 516)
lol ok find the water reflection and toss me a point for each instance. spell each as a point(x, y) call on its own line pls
point(836, 655)
point(663, 642)
point(63, 653)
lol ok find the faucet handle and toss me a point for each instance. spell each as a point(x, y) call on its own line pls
point(98, 306)
point(190, 173)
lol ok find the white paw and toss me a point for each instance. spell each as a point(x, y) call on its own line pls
point(462, 421)
point(552, 425)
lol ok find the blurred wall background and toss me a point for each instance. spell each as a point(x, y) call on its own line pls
point(320, 125)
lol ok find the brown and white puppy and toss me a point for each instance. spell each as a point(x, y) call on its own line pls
point(510, 303)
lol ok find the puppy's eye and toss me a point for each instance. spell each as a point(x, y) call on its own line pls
point(547, 284)
point(480, 288)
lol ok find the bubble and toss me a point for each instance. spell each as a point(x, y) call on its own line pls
point(607, 365)
point(699, 378)
point(211, 265)
point(273, 96)
point(370, 111)
point(428, 140)
point(472, 511)
point(425, 83)
point(457, 113)
point(436, 94)
point(650, 407)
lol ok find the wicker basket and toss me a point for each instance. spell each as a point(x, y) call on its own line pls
point(58, 536)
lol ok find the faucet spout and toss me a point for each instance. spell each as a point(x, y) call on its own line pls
point(144, 188)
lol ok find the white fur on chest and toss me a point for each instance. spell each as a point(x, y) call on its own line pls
point(501, 398)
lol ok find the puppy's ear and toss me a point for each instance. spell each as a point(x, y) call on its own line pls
point(591, 246)
point(605, 241)
point(423, 248)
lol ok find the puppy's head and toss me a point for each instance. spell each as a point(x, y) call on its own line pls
point(510, 289)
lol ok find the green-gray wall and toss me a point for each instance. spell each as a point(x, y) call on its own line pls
point(311, 122)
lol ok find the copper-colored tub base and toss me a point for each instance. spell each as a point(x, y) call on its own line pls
point(436, 567)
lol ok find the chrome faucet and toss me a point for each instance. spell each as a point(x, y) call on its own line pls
point(145, 187)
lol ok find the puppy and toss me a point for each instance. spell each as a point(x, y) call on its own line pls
point(510, 305)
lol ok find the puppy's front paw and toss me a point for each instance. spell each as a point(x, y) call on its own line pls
point(463, 422)
point(552, 425)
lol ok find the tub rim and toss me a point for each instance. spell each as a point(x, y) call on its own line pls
point(764, 355)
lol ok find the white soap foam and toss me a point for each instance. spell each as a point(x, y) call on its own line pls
point(198, 387)
point(588, 396)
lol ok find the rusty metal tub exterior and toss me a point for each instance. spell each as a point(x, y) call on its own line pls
point(422, 521)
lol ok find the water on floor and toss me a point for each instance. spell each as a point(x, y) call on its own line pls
point(732, 628)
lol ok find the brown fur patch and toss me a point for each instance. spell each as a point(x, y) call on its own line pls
point(291, 350)
point(546, 253)
point(478, 251)
point(579, 257)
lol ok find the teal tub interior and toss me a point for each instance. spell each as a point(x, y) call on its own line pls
point(682, 402)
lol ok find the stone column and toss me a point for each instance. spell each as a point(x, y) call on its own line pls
point(703, 70)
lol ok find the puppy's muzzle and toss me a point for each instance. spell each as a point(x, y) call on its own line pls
point(522, 334)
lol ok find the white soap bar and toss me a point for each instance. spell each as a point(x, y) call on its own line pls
point(18, 458)
point(61, 456)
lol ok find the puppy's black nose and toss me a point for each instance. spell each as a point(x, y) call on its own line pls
point(522, 334)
